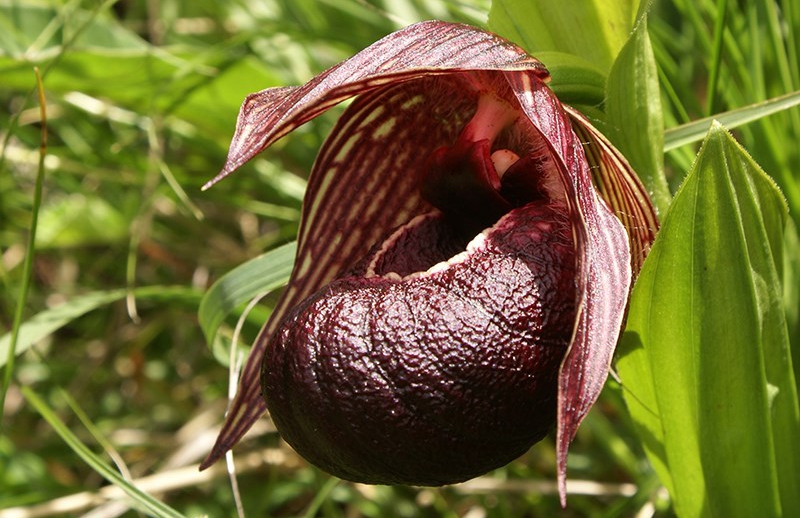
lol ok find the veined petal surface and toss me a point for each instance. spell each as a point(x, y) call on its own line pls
point(603, 258)
point(421, 51)
point(416, 90)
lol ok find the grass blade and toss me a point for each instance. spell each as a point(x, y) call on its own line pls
point(27, 271)
point(696, 130)
point(261, 274)
point(48, 321)
point(716, 56)
point(139, 499)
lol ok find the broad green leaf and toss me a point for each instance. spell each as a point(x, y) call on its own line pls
point(43, 324)
point(634, 120)
point(575, 80)
point(109, 61)
point(705, 357)
point(138, 499)
point(100, 56)
point(106, 72)
point(595, 30)
point(791, 293)
point(213, 104)
point(248, 280)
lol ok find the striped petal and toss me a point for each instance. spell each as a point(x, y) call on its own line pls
point(603, 257)
point(422, 49)
point(415, 71)
point(416, 89)
point(618, 185)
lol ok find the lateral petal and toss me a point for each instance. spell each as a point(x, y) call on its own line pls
point(620, 188)
point(603, 257)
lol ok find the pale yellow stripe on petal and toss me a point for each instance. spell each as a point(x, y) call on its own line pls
point(417, 99)
point(302, 269)
point(374, 114)
point(346, 148)
point(311, 211)
point(385, 129)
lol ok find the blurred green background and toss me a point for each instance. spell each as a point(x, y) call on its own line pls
point(142, 99)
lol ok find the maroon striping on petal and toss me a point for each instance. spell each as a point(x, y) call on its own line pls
point(458, 273)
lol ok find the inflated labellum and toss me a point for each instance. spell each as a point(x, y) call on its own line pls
point(460, 282)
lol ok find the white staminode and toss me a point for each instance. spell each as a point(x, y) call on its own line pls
point(492, 115)
point(502, 159)
point(475, 244)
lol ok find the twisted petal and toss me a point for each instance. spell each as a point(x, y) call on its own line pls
point(604, 260)
point(619, 187)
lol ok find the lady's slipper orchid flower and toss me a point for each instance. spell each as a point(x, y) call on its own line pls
point(460, 284)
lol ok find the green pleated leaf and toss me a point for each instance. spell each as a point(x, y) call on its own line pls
point(791, 295)
point(593, 29)
point(705, 357)
point(634, 120)
point(259, 275)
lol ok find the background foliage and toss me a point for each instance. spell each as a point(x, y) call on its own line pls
point(141, 98)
